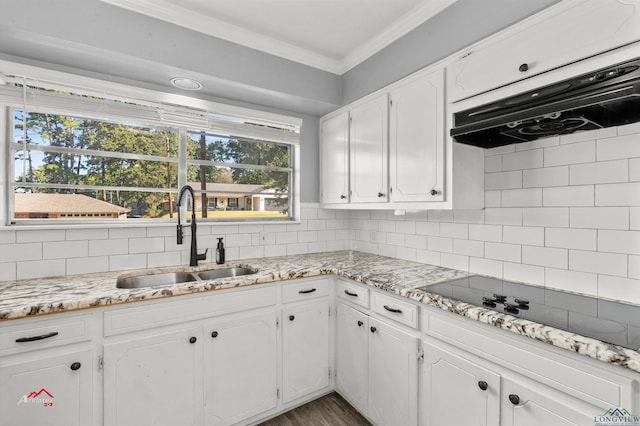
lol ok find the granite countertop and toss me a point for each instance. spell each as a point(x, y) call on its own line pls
point(25, 298)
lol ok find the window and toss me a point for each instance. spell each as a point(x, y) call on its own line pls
point(79, 156)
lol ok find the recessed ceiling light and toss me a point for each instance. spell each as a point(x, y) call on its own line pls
point(186, 83)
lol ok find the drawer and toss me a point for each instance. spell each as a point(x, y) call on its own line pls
point(354, 293)
point(188, 308)
point(31, 334)
point(296, 291)
point(390, 307)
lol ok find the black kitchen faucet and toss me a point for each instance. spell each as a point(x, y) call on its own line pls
point(194, 257)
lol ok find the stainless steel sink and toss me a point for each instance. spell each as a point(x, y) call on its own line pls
point(168, 278)
point(213, 274)
point(155, 280)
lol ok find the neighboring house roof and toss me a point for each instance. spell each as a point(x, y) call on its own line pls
point(229, 188)
point(62, 203)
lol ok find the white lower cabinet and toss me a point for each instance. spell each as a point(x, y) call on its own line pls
point(526, 403)
point(305, 349)
point(240, 368)
point(154, 380)
point(376, 367)
point(450, 382)
point(53, 389)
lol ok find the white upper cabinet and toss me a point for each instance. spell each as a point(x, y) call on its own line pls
point(416, 139)
point(369, 151)
point(574, 30)
point(334, 159)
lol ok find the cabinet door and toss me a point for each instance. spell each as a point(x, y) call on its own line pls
point(305, 349)
point(393, 375)
point(526, 403)
point(155, 380)
point(240, 368)
point(334, 159)
point(416, 142)
point(54, 390)
point(451, 382)
point(369, 151)
point(558, 37)
point(352, 363)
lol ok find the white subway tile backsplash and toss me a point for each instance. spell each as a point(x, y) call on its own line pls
point(617, 288)
point(109, 247)
point(618, 194)
point(503, 180)
point(529, 235)
point(8, 271)
point(416, 241)
point(598, 263)
point(40, 269)
point(634, 213)
point(29, 236)
point(406, 253)
point(146, 245)
point(521, 160)
point(88, 265)
point(546, 216)
point(253, 251)
point(406, 227)
point(634, 170)
point(493, 198)
point(483, 266)
point(545, 256)
point(628, 129)
point(524, 273)
point(493, 164)
point(546, 177)
point(91, 234)
point(502, 251)
point(499, 150)
point(440, 244)
point(539, 143)
point(468, 247)
point(427, 228)
point(395, 239)
point(468, 216)
point(485, 232)
point(606, 132)
point(580, 239)
point(627, 242)
point(582, 195)
point(286, 237)
point(573, 281)
point(386, 250)
point(20, 252)
point(127, 261)
point(116, 233)
point(503, 216)
point(429, 257)
point(455, 261)
point(576, 153)
point(7, 237)
point(167, 258)
point(599, 217)
point(600, 172)
point(454, 230)
point(531, 197)
point(634, 267)
point(317, 225)
point(624, 146)
point(65, 249)
point(440, 216)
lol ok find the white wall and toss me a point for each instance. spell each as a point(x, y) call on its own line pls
point(562, 212)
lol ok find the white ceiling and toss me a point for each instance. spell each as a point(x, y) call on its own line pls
point(332, 35)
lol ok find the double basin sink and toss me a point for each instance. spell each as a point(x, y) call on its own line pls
point(168, 278)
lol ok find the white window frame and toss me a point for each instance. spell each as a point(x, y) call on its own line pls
point(148, 98)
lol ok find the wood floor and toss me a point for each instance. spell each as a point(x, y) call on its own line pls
point(330, 410)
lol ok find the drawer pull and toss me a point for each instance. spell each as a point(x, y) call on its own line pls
point(307, 291)
point(75, 366)
point(394, 310)
point(483, 385)
point(348, 293)
point(34, 338)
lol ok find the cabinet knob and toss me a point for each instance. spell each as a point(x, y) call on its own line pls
point(434, 192)
point(483, 385)
point(214, 334)
point(373, 329)
point(192, 339)
point(75, 366)
point(523, 68)
point(291, 317)
point(380, 195)
point(342, 197)
point(514, 399)
point(360, 323)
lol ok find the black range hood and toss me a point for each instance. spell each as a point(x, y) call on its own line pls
point(603, 98)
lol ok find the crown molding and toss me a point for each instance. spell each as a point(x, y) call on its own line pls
point(175, 14)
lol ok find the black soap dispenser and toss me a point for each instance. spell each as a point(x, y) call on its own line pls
point(220, 252)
